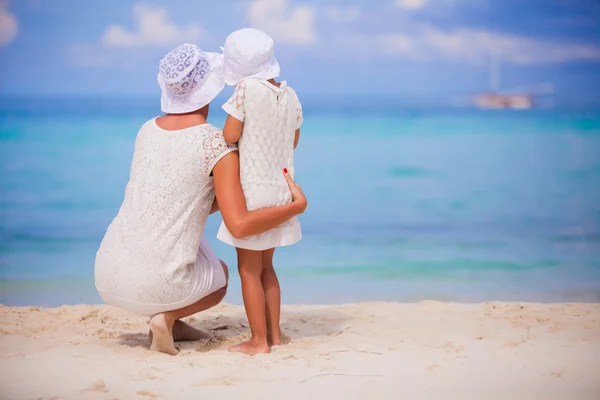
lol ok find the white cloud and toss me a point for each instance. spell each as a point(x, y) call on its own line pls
point(411, 4)
point(343, 15)
point(8, 25)
point(477, 46)
point(153, 28)
point(295, 25)
point(154, 32)
point(398, 45)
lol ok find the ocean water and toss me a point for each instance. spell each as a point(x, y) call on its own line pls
point(406, 205)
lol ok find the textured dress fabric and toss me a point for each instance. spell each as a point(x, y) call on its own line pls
point(153, 257)
point(271, 116)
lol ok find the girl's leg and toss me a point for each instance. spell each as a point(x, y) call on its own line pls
point(250, 268)
point(162, 325)
point(273, 297)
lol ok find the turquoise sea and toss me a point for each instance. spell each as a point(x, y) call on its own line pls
point(404, 204)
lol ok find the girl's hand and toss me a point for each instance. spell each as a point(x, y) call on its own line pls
point(298, 197)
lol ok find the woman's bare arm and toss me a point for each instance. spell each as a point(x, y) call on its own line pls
point(239, 221)
point(232, 131)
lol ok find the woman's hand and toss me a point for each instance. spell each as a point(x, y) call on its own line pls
point(298, 197)
point(232, 203)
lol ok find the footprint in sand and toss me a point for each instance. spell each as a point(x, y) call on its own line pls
point(514, 343)
point(213, 343)
point(147, 394)
point(152, 373)
point(98, 387)
point(452, 348)
point(285, 339)
point(219, 381)
point(558, 374)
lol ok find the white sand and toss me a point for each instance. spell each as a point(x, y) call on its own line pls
point(429, 350)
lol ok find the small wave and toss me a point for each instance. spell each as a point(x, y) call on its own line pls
point(408, 172)
point(423, 269)
point(49, 238)
point(577, 237)
point(585, 173)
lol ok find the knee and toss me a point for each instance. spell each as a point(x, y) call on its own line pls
point(220, 295)
point(267, 268)
point(247, 270)
point(226, 271)
point(267, 265)
point(215, 297)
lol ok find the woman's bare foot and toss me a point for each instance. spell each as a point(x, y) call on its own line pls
point(183, 332)
point(251, 348)
point(162, 335)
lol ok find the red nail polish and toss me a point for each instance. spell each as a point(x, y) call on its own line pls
point(285, 170)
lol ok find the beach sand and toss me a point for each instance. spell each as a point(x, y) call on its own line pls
point(428, 350)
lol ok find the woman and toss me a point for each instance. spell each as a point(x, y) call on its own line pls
point(154, 260)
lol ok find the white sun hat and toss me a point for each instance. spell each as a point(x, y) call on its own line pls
point(189, 78)
point(249, 53)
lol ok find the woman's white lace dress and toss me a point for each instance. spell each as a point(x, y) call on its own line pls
point(153, 257)
point(271, 116)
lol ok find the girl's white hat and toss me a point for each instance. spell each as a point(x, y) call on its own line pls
point(249, 53)
point(189, 78)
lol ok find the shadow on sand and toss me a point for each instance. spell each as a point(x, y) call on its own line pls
point(228, 330)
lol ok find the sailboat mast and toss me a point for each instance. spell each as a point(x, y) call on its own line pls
point(495, 71)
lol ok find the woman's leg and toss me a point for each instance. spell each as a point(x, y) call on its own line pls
point(250, 268)
point(273, 297)
point(183, 332)
point(162, 325)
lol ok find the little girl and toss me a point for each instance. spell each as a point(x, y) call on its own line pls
point(264, 117)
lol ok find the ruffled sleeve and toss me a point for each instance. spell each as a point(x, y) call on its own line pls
point(235, 106)
point(215, 147)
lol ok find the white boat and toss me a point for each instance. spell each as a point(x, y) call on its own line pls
point(495, 99)
point(500, 101)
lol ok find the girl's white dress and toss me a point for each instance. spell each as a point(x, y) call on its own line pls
point(271, 116)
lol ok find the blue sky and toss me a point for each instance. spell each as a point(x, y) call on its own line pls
point(418, 49)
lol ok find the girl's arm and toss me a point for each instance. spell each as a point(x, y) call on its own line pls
point(239, 221)
point(235, 108)
point(232, 129)
point(296, 138)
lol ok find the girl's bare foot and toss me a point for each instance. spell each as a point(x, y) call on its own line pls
point(251, 348)
point(274, 337)
point(162, 335)
point(280, 340)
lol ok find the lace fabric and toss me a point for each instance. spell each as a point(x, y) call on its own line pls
point(271, 116)
point(184, 69)
point(299, 117)
point(235, 105)
point(215, 147)
point(147, 252)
